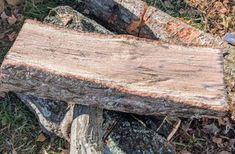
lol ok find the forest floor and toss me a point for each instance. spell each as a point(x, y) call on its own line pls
point(19, 129)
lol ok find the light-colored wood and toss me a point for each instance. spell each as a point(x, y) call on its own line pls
point(86, 131)
point(156, 24)
point(116, 72)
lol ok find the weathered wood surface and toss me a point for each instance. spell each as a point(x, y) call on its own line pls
point(86, 131)
point(115, 72)
point(137, 18)
point(160, 25)
point(55, 117)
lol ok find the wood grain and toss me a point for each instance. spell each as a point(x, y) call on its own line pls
point(121, 73)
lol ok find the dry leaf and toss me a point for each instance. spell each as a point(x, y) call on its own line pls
point(12, 36)
point(14, 151)
point(41, 137)
point(4, 15)
point(2, 6)
point(220, 7)
point(11, 20)
point(217, 140)
point(233, 9)
point(223, 121)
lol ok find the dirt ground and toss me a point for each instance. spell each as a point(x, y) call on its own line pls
point(19, 129)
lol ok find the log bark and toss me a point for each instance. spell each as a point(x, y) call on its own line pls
point(98, 74)
point(86, 131)
point(137, 18)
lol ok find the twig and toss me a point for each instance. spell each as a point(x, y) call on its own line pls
point(174, 130)
point(163, 121)
point(140, 121)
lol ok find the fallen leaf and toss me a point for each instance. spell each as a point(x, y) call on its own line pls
point(12, 36)
point(217, 140)
point(220, 7)
point(64, 151)
point(233, 9)
point(14, 151)
point(223, 121)
point(2, 6)
point(41, 137)
point(11, 20)
point(4, 15)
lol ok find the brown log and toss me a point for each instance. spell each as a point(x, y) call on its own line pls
point(115, 72)
point(137, 18)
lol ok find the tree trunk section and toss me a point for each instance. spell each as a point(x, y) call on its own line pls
point(185, 80)
point(86, 131)
point(157, 24)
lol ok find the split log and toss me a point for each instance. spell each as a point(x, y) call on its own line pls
point(115, 72)
point(156, 24)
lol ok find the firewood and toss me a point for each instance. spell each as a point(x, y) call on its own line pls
point(156, 24)
point(120, 73)
point(137, 18)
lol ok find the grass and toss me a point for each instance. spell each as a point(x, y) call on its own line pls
point(19, 130)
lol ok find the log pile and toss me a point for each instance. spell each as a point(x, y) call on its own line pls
point(142, 21)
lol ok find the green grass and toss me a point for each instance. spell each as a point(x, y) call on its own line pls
point(19, 129)
point(40, 10)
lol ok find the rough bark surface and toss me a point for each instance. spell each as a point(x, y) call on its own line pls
point(126, 80)
point(137, 18)
point(86, 131)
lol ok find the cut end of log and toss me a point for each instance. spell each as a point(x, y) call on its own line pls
point(116, 72)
